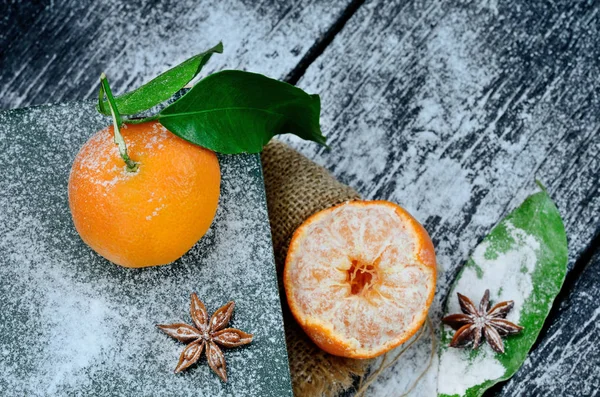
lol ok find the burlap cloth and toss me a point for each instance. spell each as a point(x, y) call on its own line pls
point(297, 188)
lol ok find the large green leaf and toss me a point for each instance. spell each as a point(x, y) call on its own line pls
point(234, 111)
point(162, 87)
point(523, 259)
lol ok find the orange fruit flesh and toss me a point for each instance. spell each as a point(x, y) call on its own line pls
point(149, 217)
point(360, 277)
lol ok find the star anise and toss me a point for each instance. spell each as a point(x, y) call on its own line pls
point(207, 334)
point(473, 323)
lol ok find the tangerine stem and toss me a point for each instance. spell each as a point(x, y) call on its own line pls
point(132, 166)
point(140, 120)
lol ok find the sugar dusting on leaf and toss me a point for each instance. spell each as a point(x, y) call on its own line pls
point(508, 276)
point(458, 372)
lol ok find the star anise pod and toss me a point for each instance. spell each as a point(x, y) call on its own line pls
point(473, 323)
point(207, 334)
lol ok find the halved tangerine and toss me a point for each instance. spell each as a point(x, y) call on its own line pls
point(360, 277)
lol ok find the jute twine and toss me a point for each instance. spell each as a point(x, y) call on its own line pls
point(297, 188)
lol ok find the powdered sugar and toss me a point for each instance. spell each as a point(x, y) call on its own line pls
point(159, 136)
point(155, 212)
point(458, 372)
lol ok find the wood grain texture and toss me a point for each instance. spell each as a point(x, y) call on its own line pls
point(450, 109)
point(453, 110)
point(567, 360)
point(55, 51)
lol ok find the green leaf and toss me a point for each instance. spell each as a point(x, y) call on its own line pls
point(234, 112)
point(162, 87)
point(523, 259)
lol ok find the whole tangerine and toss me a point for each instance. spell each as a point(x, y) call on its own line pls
point(153, 215)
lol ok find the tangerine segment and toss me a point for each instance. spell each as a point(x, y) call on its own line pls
point(360, 277)
point(149, 217)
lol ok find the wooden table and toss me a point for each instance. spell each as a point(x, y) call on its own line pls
point(451, 109)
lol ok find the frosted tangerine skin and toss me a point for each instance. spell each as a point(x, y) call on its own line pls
point(314, 291)
point(149, 217)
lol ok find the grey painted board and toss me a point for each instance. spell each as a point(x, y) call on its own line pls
point(73, 323)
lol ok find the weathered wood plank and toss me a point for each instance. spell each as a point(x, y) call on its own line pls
point(566, 362)
point(55, 51)
point(453, 110)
